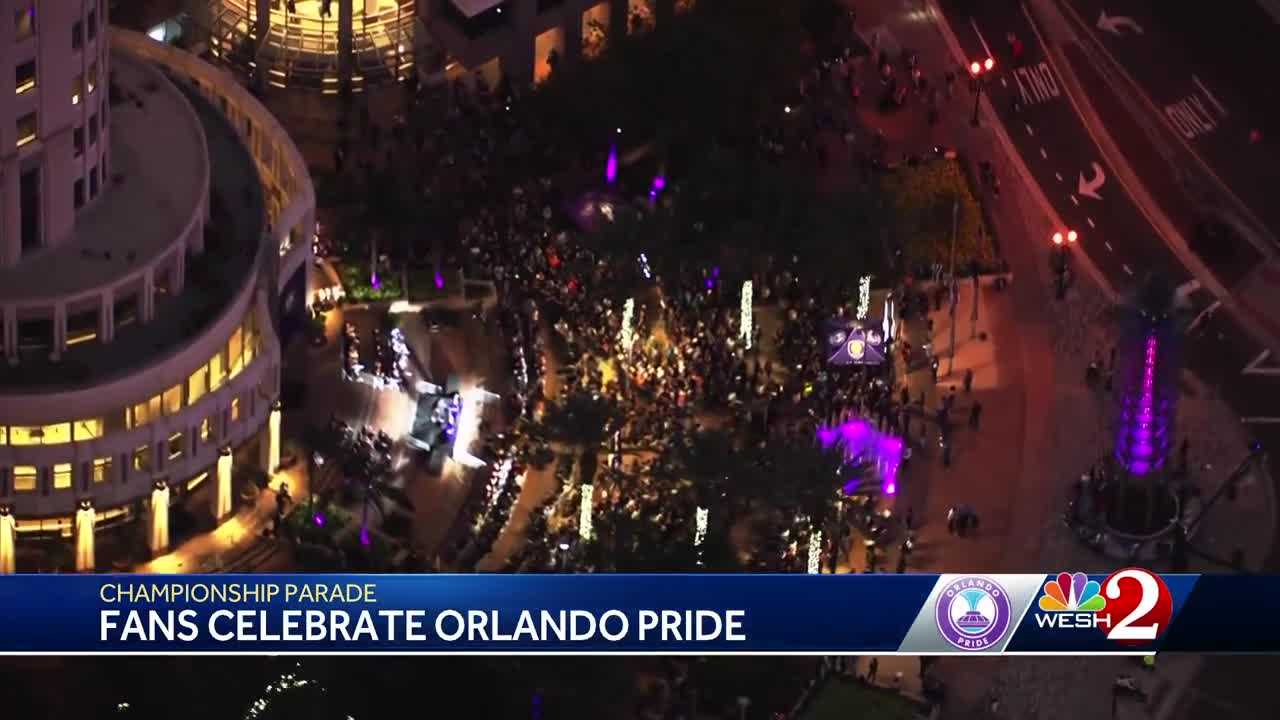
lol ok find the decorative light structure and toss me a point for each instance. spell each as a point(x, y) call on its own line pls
point(815, 552)
point(644, 267)
point(86, 519)
point(468, 426)
point(888, 322)
point(1146, 412)
point(864, 297)
point(222, 488)
point(701, 516)
point(8, 541)
point(159, 539)
point(628, 335)
point(747, 321)
point(861, 440)
point(271, 448)
point(585, 527)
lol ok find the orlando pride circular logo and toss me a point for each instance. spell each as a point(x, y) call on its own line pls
point(973, 613)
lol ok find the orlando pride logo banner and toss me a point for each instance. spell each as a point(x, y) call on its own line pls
point(1129, 611)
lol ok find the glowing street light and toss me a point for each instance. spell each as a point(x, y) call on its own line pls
point(979, 70)
point(1062, 243)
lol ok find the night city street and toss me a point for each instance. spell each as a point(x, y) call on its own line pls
point(642, 286)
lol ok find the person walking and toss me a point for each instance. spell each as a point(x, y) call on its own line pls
point(975, 415)
point(872, 668)
point(968, 381)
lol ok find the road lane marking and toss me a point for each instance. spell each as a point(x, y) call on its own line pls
point(1222, 109)
point(986, 48)
point(1260, 420)
point(1204, 314)
point(1074, 200)
point(1030, 132)
point(1004, 83)
point(1127, 269)
point(1091, 225)
point(1190, 117)
point(1036, 83)
point(1109, 248)
point(1089, 188)
point(1255, 367)
point(1058, 175)
point(1044, 154)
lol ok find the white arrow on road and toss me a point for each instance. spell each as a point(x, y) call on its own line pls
point(1089, 188)
point(1113, 23)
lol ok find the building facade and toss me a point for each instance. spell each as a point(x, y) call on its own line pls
point(156, 236)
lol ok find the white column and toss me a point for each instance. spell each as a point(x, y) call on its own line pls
point(59, 344)
point(85, 520)
point(159, 541)
point(147, 302)
point(178, 278)
point(107, 317)
point(271, 444)
point(8, 541)
point(222, 490)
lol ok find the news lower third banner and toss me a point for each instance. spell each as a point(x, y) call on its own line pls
point(1129, 611)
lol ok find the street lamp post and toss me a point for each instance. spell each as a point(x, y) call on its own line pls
point(1062, 243)
point(978, 70)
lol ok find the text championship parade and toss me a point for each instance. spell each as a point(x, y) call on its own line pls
point(312, 612)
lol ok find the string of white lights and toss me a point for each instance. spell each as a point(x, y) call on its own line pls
point(628, 334)
point(815, 552)
point(585, 527)
point(747, 323)
point(700, 534)
point(864, 296)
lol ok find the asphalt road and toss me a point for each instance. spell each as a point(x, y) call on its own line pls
point(1210, 70)
point(1058, 150)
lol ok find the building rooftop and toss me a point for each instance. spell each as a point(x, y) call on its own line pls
point(156, 164)
point(233, 237)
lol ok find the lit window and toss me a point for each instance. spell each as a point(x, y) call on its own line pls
point(250, 340)
point(173, 399)
point(89, 429)
point(197, 384)
point(26, 76)
point(142, 458)
point(77, 88)
point(24, 20)
point(235, 409)
point(175, 446)
point(194, 482)
point(23, 435)
point(55, 434)
point(62, 476)
point(93, 76)
point(144, 412)
point(216, 373)
point(4, 435)
point(27, 128)
point(101, 469)
point(24, 478)
point(206, 429)
point(234, 347)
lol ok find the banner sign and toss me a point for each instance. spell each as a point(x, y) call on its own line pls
point(1131, 611)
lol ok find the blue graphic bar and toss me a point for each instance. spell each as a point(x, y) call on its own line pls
point(1130, 611)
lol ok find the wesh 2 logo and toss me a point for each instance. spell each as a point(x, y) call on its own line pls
point(1132, 606)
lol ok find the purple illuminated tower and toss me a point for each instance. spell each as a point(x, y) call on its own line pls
point(1148, 363)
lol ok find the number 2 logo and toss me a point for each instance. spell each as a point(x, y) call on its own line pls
point(1139, 606)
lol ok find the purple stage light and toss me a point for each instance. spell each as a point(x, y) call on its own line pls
point(439, 281)
point(364, 537)
point(318, 519)
point(373, 282)
point(861, 440)
point(611, 166)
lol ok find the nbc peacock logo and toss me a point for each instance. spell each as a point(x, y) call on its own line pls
point(1072, 601)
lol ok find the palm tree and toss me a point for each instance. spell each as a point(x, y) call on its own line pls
point(809, 479)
